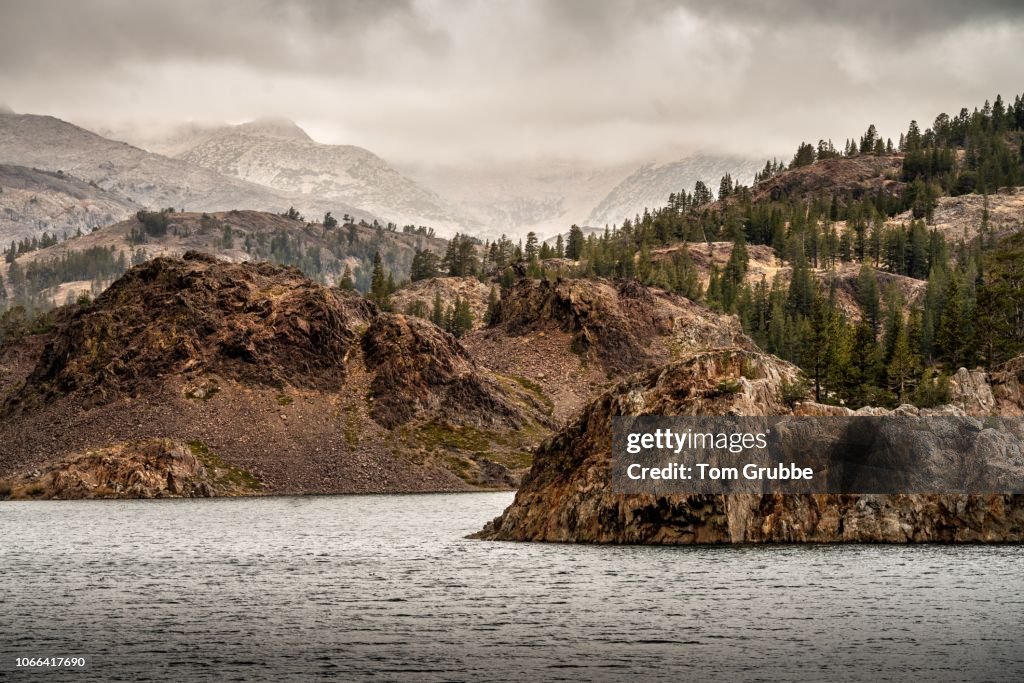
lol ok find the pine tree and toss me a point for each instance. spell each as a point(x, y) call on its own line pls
point(492, 306)
point(531, 250)
point(868, 296)
point(461, 317)
point(437, 312)
point(574, 249)
point(903, 363)
point(379, 283)
point(953, 340)
point(425, 265)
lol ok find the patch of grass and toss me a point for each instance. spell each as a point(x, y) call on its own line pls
point(515, 460)
point(442, 435)
point(284, 400)
point(462, 469)
point(222, 474)
point(529, 385)
point(535, 389)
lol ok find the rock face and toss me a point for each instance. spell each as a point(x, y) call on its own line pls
point(420, 368)
point(567, 495)
point(150, 469)
point(999, 392)
point(309, 388)
point(613, 323)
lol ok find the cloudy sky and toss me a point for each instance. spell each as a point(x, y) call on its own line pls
point(448, 80)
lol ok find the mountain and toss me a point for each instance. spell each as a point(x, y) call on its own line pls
point(649, 186)
point(33, 202)
point(278, 154)
point(142, 177)
point(85, 264)
point(293, 386)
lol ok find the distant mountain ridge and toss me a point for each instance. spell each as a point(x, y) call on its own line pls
point(141, 177)
point(650, 185)
point(278, 154)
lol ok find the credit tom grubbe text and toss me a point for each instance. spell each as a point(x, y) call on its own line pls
point(678, 442)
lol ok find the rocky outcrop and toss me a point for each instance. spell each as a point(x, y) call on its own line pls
point(613, 323)
point(422, 294)
point(1007, 382)
point(310, 388)
point(258, 324)
point(567, 495)
point(980, 393)
point(845, 178)
point(150, 469)
point(417, 367)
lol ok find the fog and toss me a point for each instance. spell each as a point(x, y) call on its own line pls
point(446, 81)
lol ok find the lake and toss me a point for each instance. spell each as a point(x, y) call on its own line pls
point(386, 588)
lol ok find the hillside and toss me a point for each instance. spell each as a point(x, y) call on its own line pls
point(280, 155)
point(845, 178)
point(569, 338)
point(77, 266)
point(299, 387)
point(33, 202)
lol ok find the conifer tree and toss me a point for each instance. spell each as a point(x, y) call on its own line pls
point(437, 311)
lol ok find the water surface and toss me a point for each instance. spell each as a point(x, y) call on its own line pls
point(386, 588)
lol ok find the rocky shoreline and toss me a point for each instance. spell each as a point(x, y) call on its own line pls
point(567, 495)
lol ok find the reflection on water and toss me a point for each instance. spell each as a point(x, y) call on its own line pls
point(386, 588)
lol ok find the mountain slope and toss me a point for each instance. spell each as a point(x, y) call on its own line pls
point(82, 264)
point(278, 154)
point(33, 202)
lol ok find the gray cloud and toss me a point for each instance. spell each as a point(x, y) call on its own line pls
point(439, 80)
